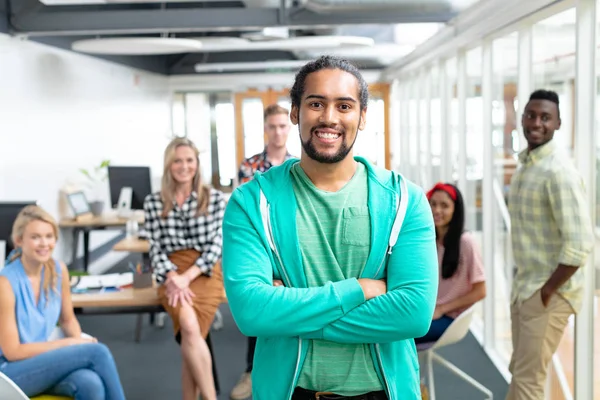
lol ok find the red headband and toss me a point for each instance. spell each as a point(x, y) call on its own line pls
point(443, 187)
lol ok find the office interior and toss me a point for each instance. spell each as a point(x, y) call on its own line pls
point(86, 81)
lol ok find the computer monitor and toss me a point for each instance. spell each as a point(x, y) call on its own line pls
point(8, 214)
point(136, 178)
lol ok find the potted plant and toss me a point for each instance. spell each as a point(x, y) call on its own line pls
point(95, 178)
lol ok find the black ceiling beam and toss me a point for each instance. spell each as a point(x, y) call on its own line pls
point(3, 23)
point(4, 10)
point(49, 22)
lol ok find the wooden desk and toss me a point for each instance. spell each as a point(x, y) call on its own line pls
point(88, 224)
point(98, 221)
point(126, 301)
point(128, 297)
point(133, 245)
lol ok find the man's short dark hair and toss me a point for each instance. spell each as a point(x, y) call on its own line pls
point(275, 109)
point(328, 62)
point(549, 95)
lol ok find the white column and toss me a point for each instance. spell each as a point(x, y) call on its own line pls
point(418, 91)
point(461, 83)
point(446, 142)
point(411, 121)
point(426, 130)
point(405, 130)
point(395, 117)
point(525, 78)
point(585, 150)
point(488, 200)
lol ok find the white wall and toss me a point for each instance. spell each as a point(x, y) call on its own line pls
point(61, 111)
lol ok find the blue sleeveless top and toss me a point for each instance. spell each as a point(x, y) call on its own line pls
point(35, 322)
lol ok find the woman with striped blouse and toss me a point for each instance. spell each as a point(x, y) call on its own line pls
point(184, 222)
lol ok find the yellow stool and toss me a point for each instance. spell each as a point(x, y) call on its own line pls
point(50, 397)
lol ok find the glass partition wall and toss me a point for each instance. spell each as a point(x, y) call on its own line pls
point(459, 121)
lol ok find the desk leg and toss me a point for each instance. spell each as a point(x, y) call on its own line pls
point(160, 319)
point(86, 249)
point(138, 328)
point(75, 246)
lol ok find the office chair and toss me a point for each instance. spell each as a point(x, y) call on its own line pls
point(10, 391)
point(457, 330)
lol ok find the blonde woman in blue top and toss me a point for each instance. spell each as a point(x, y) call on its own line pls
point(35, 297)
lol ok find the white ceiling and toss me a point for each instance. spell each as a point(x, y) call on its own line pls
point(181, 34)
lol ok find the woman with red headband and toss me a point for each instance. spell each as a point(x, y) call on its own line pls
point(462, 278)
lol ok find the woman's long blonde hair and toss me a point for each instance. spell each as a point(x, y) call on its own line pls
point(167, 191)
point(26, 215)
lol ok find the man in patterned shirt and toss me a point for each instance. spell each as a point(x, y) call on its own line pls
point(551, 238)
point(277, 127)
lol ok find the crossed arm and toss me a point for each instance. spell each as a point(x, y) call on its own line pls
point(337, 311)
point(406, 310)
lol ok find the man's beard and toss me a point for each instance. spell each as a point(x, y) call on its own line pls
point(313, 153)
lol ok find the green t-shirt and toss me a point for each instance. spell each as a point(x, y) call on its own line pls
point(334, 230)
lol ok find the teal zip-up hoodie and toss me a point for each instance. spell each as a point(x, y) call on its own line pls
point(285, 318)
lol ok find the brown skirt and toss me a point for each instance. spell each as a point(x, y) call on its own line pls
point(209, 292)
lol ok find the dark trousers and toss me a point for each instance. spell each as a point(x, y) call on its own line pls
point(250, 353)
point(303, 394)
point(437, 328)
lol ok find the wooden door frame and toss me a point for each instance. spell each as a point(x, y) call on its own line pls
point(382, 91)
point(267, 97)
point(270, 96)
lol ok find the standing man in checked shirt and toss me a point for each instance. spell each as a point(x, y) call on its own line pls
point(277, 127)
point(551, 238)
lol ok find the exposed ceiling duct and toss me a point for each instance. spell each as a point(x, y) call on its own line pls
point(325, 6)
point(177, 35)
point(247, 3)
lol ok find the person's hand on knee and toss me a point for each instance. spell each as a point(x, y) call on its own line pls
point(183, 296)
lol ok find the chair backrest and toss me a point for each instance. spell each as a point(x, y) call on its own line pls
point(457, 330)
point(9, 390)
point(59, 334)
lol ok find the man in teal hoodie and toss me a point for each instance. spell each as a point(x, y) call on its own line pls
point(353, 246)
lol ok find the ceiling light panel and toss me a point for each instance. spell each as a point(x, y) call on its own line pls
point(153, 46)
point(137, 46)
point(250, 66)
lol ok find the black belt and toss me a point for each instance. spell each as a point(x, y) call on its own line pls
point(304, 394)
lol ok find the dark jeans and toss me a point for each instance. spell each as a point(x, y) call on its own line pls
point(437, 328)
point(250, 353)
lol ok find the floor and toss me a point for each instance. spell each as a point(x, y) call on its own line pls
point(565, 351)
point(151, 369)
